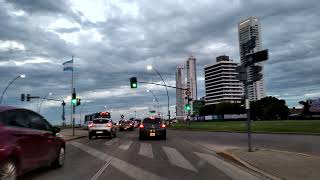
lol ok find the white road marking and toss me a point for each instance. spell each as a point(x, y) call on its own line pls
point(112, 141)
point(227, 168)
point(125, 146)
point(98, 174)
point(125, 167)
point(177, 159)
point(146, 150)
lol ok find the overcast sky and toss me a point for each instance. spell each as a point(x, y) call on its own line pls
point(115, 39)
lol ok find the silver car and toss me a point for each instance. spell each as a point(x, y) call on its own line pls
point(102, 127)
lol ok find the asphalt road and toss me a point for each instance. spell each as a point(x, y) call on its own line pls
point(125, 157)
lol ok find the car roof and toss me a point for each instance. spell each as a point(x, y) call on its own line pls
point(6, 108)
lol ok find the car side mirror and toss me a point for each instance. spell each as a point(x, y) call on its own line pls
point(56, 130)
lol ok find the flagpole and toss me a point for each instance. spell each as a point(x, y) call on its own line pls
point(71, 112)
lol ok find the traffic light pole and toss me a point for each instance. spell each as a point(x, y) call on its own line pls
point(73, 113)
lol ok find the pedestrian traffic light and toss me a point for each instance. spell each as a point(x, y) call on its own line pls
point(133, 82)
point(22, 97)
point(78, 101)
point(74, 99)
point(187, 107)
point(256, 73)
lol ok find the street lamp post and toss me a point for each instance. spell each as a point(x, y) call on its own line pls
point(20, 76)
point(152, 68)
point(39, 108)
point(155, 98)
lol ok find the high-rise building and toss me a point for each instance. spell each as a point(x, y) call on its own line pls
point(220, 82)
point(248, 29)
point(180, 95)
point(192, 79)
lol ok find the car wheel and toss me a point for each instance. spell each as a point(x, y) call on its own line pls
point(59, 161)
point(8, 170)
point(115, 134)
point(164, 136)
point(90, 136)
point(141, 137)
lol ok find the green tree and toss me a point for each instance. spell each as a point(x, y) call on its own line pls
point(306, 107)
point(269, 108)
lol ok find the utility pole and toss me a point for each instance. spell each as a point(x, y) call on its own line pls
point(63, 113)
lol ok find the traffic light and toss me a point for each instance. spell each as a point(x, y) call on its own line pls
point(133, 82)
point(22, 97)
point(28, 97)
point(256, 73)
point(242, 73)
point(187, 107)
point(78, 101)
point(74, 99)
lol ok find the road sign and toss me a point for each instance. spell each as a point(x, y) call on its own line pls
point(256, 57)
point(188, 93)
point(241, 77)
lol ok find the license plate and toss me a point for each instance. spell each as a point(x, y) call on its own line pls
point(152, 134)
point(99, 132)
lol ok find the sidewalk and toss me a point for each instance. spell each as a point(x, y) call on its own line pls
point(67, 134)
point(277, 164)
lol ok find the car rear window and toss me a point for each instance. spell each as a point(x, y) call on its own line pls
point(152, 121)
point(100, 121)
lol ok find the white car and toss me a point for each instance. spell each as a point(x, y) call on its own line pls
point(102, 127)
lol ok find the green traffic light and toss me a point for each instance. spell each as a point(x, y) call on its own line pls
point(134, 85)
point(187, 107)
point(74, 101)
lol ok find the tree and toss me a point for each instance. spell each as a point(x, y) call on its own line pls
point(269, 108)
point(306, 107)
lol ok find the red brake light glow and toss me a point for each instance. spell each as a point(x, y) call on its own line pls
point(141, 126)
point(109, 125)
point(163, 125)
point(90, 125)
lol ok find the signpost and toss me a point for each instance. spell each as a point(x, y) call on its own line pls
point(249, 69)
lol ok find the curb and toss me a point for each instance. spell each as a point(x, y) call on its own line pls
point(75, 138)
point(255, 132)
point(243, 163)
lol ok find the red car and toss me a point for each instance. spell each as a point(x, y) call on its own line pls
point(27, 142)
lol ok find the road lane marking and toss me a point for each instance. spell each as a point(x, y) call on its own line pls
point(177, 159)
point(101, 170)
point(227, 168)
point(123, 166)
point(92, 151)
point(146, 150)
point(112, 141)
point(126, 145)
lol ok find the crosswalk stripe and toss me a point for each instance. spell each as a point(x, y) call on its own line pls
point(126, 145)
point(177, 159)
point(146, 150)
point(123, 166)
point(229, 169)
point(112, 141)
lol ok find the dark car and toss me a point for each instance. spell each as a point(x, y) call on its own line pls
point(125, 125)
point(27, 142)
point(152, 128)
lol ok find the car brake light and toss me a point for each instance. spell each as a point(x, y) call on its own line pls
point(141, 126)
point(90, 125)
point(130, 124)
point(163, 125)
point(109, 125)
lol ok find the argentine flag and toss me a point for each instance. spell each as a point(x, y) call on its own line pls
point(68, 65)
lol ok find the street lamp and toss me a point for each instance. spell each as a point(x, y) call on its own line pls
point(20, 76)
point(155, 98)
point(150, 67)
point(43, 99)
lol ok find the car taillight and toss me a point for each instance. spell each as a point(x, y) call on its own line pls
point(130, 124)
point(141, 126)
point(90, 125)
point(109, 125)
point(163, 125)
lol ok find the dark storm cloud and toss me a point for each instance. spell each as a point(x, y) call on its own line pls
point(39, 6)
point(164, 34)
